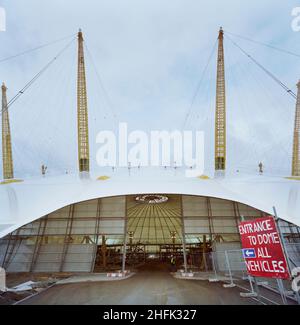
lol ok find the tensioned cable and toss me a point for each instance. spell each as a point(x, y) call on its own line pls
point(270, 74)
point(255, 150)
point(268, 148)
point(31, 82)
point(199, 85)
point(109, 102)
point(36, 48)
point(264, 44)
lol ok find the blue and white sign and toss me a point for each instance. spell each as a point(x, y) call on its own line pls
point(249, 253)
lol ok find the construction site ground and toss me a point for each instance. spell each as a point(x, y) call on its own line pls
point(153, 284)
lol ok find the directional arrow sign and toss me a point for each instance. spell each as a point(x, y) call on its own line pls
point(249, 253)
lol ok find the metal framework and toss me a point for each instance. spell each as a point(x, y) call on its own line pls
point(68, 236)
point(125, 239)
point(296, 148)
point(8, 170)
point(220, 126)
point(13, 245)
point(97, 232)
point(68, 240)
point(82, 111)
point(38, 242)
point(209, 216)
point(183, 236)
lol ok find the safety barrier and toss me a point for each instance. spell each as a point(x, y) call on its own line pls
point(229, 267)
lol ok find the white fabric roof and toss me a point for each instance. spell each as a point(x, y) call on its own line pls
point(22, 203)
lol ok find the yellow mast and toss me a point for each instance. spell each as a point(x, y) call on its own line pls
point(296, 147)
point(7, 159)
point(82, 111)
point(220, 126)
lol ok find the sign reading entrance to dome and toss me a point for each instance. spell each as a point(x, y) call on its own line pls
point(262, 249)
point(152, 199)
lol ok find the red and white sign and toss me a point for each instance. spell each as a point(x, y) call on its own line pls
point(262, 249)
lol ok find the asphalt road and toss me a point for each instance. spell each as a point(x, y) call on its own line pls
point(152, 285)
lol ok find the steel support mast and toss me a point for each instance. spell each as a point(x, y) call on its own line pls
point(7, 159)
point(82, 111)
point(220, 118)
point(296, 146)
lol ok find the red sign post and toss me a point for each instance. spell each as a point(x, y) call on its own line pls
point(262, 249)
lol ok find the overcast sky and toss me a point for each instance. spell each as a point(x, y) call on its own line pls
point(150, 56)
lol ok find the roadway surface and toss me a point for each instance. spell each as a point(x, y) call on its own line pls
point(152, 285)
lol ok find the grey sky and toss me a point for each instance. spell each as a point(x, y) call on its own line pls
point(150, 55)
